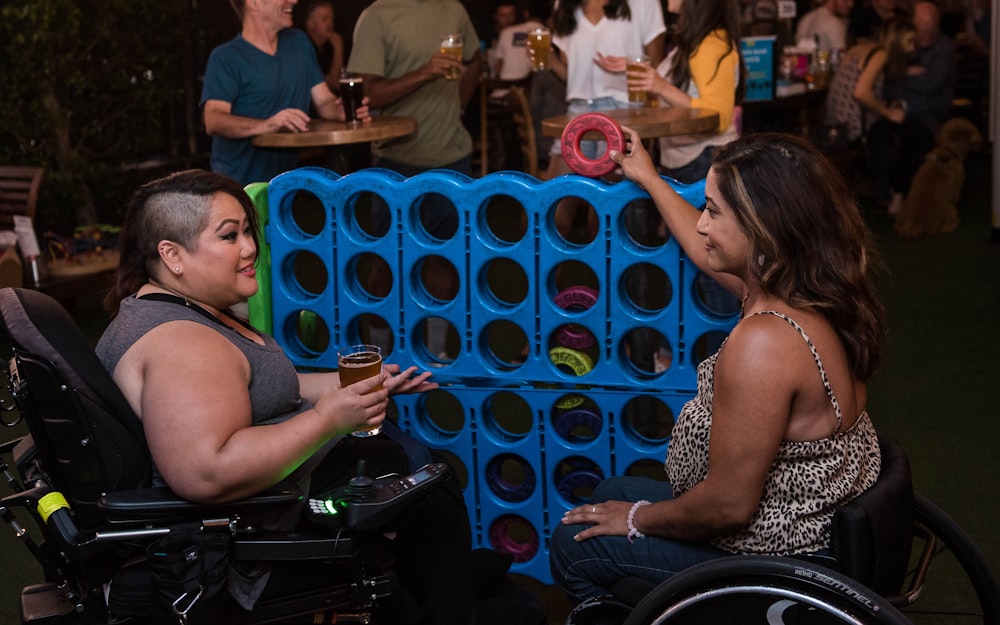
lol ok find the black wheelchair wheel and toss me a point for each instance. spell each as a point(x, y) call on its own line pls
point(960, 587)
point(763, 590)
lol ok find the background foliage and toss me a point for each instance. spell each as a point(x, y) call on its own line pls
point(97, 91)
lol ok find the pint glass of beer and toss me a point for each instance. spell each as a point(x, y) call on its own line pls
point(633, 64)
point(452, 45)
point(540, 42)
point(352, 92)
point(356, 363)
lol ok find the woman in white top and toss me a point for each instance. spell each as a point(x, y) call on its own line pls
point(586, 31)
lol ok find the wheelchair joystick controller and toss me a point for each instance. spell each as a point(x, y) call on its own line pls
point(367, 503)
point(360, 487)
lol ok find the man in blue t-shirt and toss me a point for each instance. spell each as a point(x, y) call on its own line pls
point(263, 81)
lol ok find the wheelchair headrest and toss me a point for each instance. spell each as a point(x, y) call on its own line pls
point(40, 327)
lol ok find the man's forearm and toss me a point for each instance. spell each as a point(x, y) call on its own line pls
point(232, 126)
point(385, 91)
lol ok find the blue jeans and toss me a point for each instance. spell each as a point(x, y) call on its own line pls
point(592, 567)
point(576, 107)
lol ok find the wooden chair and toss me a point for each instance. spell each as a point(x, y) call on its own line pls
point(499, 114)
point(18, 193)
point(517, 100)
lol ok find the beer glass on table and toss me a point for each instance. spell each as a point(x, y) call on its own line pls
point(356, 363)
point(352, 93)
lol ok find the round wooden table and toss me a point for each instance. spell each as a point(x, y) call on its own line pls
point(323, 132)
point(649, 122)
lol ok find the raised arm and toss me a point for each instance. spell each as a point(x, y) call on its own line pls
point(680, 216)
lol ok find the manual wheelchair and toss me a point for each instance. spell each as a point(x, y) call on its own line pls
point(886, 545)
point(111, 547)
point(890, 550)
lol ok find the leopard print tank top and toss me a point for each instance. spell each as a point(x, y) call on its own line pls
point(807, 482)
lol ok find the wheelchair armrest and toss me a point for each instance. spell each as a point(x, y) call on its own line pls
point(151, 503)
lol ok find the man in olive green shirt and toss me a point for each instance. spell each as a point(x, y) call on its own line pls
point(396, 50)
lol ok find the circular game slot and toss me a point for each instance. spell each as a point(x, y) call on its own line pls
point(577, 419)
point(508, 416)
point(437, 217)
point(307, 213)
point(435, 280)
point(311, 333)
point(368, 278)
point(371, 329)
point(510, 477)
point(576, 478)
point(646, 352)
point(647, 420)
point(504, 219)
point(306, 272)
point(574, 221)
point(439, 341)
point(643, 225)
point(440, 413)
point(574, 286)
point(514, 535)
point(505, 343)
point(368, 217)
point(646, 287)
point(503, 283)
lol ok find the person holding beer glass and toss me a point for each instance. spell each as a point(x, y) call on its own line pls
point(704, 70)
point(225, 413)
point(264, 80)
point(584, 31)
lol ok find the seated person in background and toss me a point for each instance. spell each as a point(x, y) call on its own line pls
point(826, 25)
point(263, 81)
point(224, 411)
point(778, 436)
point(854, 100)
point(926, 89)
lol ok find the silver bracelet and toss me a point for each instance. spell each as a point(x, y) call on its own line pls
point(630, 521)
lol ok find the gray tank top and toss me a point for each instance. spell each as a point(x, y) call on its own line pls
point(274, 384)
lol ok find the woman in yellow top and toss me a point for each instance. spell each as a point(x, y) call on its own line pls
point(704, 69)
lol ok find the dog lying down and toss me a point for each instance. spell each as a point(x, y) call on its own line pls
point(931, 206)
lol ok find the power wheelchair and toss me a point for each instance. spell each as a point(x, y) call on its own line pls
point(82, 475)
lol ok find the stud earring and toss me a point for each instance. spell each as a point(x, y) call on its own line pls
point(177, 269)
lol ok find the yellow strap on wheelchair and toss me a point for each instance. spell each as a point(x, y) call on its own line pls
point(50, 503)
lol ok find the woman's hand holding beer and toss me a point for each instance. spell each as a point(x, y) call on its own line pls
point(357, 405)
